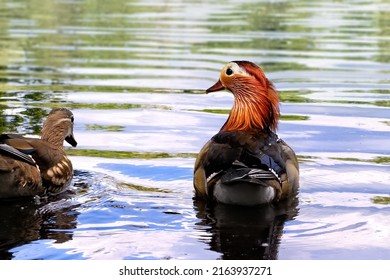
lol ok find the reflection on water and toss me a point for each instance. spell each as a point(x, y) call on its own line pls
point(134, 74)
point(29, 219)
point(246, 233)
point(23, 221)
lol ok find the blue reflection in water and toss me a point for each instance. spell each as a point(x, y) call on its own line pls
point(43, 249)
point(157, 173)
point(320, 138)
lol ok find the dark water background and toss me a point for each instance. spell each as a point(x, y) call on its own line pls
point(134, 74)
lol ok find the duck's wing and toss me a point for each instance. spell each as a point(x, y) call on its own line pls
point(31, 150)
point(17, 147)
point(280, 159)
point(233, 156)
point(290, 180)
point(211, 161)
point(241, 173)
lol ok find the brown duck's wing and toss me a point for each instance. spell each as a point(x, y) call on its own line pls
point(44, 153)
point(290, 180)
point(282, 159)
point(212, 159)
point(19, 149)
point(18, 178)
point(200, 179)
point(17, 141)
point(254, 150)
point(246, 174)
point(10, 136)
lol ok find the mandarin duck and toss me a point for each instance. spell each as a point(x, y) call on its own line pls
point(246, 163)
point(33, 166)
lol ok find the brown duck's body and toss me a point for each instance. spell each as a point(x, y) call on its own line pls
point(32, 166)
point(246, 163)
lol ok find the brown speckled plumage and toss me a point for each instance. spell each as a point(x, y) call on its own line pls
point(32, 166)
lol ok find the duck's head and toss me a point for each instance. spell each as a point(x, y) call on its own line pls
point(59, 127)
point(256, 102)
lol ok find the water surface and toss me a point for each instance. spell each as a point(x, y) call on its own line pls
point(134, 75)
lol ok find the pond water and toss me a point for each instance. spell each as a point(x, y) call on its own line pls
point(134, 75)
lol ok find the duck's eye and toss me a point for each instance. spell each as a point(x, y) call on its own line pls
point(229, 71)
point(72, 119)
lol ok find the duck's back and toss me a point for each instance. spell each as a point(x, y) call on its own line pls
point(32, 166)
point(251, 165)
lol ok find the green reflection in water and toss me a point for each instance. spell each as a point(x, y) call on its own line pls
point(382, 103)
point(28, 120)
point(142, 188)
point(294, 117)
point(283, 66)
point(10, 123)
point(381, 200)
point(260, 20)
point(109, 128)
point(215, 111)
point(379, 160)
point(382, 24)
point(294, 96)
point(305, 158)
point(125, 154)
point(99, 106)
point(162, 155)
point(282, 117)
point(34, 118)
point(148, 155)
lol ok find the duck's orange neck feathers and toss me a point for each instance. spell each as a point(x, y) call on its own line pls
point(256, 102)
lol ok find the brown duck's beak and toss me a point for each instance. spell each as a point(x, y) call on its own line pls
point(217, 87)
point(70, 139)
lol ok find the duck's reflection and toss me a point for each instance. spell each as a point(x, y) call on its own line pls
point(29, 219)
point(24, 221)
point(246, 233)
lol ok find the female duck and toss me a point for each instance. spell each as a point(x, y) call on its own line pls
point(32, 166)
point(246, 163)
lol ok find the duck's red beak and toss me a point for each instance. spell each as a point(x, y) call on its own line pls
point(217, 87)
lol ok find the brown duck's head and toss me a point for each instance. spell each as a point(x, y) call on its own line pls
point(59, 127)
point(256, 102)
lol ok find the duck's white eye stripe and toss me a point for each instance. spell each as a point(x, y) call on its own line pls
point(62, 120)
point(236, 69)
